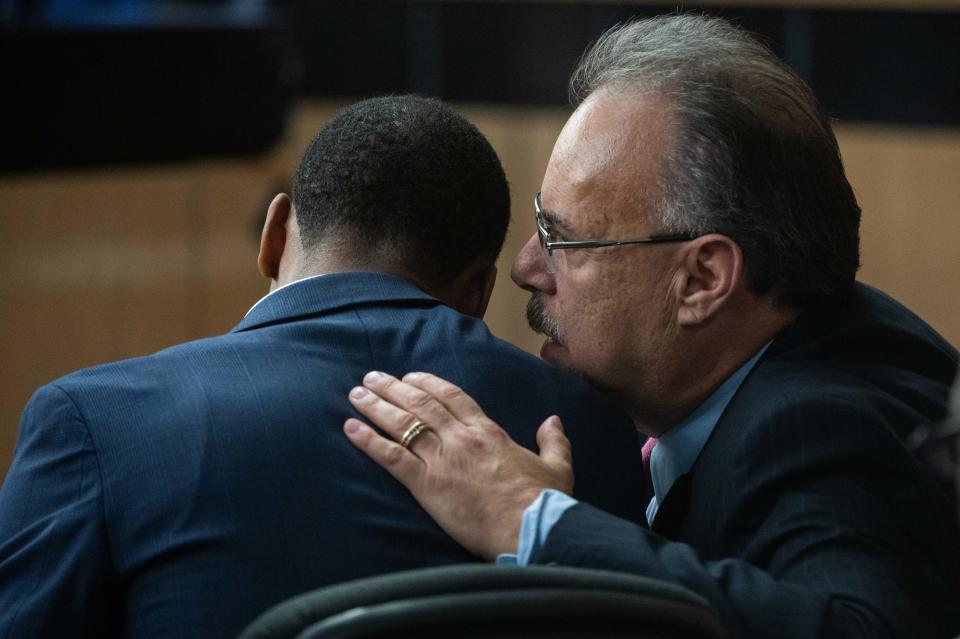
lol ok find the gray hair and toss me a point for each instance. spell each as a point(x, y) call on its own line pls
point(753, 156)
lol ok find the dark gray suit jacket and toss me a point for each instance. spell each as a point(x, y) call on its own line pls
point(804, 516)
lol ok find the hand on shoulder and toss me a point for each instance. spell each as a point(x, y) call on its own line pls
point(461, 467)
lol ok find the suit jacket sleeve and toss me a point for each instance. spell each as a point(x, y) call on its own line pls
point(819, 539)
point(53, 546)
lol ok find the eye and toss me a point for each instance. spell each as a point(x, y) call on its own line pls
point(549, 231)
point(553, 235)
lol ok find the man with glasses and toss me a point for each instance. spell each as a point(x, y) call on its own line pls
point(181, 494)
point(546, 224)
point(695, 257)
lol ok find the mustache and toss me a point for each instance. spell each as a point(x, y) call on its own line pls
point(540, 321)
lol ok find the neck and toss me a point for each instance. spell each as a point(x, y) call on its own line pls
point(468, 292)
point(708, 358)
point(323, 261)
point(326, 262)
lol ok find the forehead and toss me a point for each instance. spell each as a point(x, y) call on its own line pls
point(604, 168)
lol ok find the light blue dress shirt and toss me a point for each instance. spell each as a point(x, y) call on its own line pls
point(673, 456)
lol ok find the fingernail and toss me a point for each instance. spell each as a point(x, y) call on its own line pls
point(411, 376)
point(373, 377)
point(352, 428)
point(359, 392)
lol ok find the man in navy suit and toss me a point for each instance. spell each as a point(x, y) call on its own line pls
point(696, 255)
point(182, 493)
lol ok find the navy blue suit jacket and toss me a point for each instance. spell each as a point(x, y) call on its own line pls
point(804, 515)
point(181, 494)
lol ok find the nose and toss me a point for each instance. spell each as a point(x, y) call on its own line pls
point(529, 270)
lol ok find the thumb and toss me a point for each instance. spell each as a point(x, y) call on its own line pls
point(554, 445)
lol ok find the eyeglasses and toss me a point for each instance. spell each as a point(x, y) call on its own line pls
point(549, 245)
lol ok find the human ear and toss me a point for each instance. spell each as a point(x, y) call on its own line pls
point(273, 238)
point(470, 292)
point(482, 288)
point(711, 268)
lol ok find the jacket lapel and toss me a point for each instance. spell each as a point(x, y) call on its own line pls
point(671, 511)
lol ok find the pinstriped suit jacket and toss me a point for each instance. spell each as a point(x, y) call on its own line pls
point(181, 494)
point(804, 515)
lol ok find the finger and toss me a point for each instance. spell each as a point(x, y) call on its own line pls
point(395, 421)
point(394, 458)
point(453, 398)
point(410, 398)
point(554, 446)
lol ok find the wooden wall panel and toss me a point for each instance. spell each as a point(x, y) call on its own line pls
point(235, 199)
point(908, 184)
point(101, 265)
point(524, 139)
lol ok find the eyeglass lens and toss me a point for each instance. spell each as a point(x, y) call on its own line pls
point(548, 255)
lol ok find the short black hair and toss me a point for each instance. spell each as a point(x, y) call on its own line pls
point(404, 178)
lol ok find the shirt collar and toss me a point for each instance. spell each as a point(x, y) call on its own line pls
point(678, 448)
point(279, 288)
point(312, 296)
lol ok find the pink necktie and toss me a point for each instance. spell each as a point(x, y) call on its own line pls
point(645, 453)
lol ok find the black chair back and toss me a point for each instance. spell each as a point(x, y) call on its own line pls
point(506, 602)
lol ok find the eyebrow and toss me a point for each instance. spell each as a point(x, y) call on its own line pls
point(553, 220)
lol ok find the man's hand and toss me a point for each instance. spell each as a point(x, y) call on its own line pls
point(464, 470)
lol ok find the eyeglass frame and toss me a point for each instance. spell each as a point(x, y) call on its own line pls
point(550, 246)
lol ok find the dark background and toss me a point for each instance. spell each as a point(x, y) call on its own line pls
point(92, 83)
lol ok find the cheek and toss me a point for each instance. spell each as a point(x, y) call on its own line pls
point(594, 321)
point(620, 313)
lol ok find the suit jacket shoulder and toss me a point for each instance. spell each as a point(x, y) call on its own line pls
point(804, 515)
point(210, 480)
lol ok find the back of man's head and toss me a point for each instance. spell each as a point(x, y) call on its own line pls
point(404, 181)
point(752, 157)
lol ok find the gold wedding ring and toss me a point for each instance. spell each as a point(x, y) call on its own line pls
point(413, 432)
